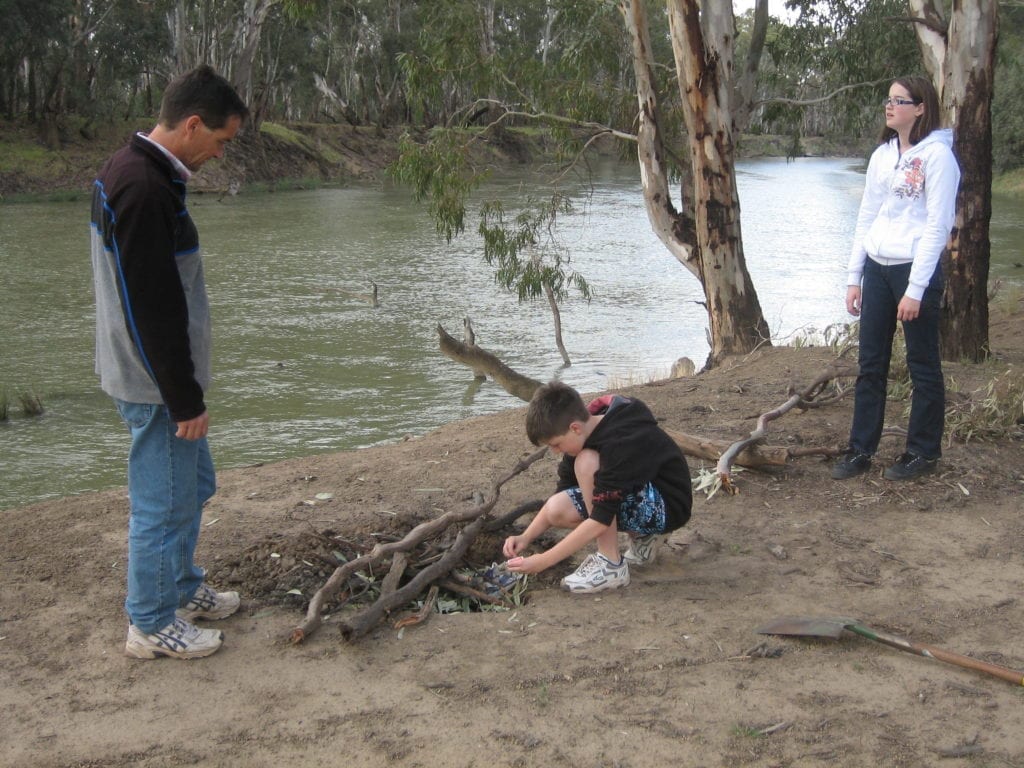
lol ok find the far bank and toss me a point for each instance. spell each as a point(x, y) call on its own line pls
point(305, 155)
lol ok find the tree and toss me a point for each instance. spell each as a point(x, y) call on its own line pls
point(704, 235)
point(959, 55)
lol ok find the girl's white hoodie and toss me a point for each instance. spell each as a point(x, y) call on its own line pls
point(908, 208)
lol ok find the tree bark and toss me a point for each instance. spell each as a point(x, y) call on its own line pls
point(961, 63)
point(705, 236)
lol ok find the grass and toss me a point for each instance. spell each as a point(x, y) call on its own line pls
point(995, 411)
point(288, 136)
point(1010, 183)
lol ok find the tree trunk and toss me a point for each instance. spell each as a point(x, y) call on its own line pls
point(702, 44)
point(705, 236)
point(961, 63)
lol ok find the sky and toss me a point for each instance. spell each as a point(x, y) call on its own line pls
point(775, 7)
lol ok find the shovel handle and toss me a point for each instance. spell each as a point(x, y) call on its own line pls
point(930, 651)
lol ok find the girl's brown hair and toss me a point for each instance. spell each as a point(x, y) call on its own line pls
point(923, 92)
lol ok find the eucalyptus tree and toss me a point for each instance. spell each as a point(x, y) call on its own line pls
point(959, 50)
point(575, 82)
point(703, 233)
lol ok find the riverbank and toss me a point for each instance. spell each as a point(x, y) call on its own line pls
point(667, 671)
point(286, 156)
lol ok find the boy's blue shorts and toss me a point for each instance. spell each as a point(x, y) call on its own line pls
point(641, 512)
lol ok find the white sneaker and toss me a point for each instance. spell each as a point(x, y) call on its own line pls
point(207, 603)
point(642, 549)
point(597, 573)
point(179, 640)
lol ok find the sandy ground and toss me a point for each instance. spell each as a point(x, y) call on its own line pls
point(668, 671)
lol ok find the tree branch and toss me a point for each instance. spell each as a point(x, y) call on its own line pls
point(363, 621)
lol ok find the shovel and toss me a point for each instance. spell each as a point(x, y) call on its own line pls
point(833, 627)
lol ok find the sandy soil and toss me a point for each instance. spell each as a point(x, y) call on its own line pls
point(668, 671)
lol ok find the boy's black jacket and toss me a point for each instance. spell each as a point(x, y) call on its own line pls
point(634, 451)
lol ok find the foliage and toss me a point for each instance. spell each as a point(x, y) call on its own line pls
point(834, 44)
point(995, 412)
point(442, 62)
point(1008, 101)
point(531, 234)
point(439, 172)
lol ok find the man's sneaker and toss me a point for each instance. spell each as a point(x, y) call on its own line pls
point(850, 465)
point(909, 466)
point(179, 640)
point(207, 603)
point(642, 550)
point(597, 573)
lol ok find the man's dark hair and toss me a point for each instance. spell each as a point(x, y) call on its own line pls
point(202, 92)
point(921, 91)
point(553, 407)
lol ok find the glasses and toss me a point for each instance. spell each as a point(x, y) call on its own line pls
point(897, 102)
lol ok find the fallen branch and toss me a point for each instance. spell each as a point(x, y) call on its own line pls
point(480, 361)
point(363, 621)
point(838, 368)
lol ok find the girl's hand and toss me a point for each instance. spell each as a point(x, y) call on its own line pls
point(908, 309)
point(853, 300)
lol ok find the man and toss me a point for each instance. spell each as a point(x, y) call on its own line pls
point(153, 358)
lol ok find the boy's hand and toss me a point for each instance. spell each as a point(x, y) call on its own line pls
point(532, 564)
point(514, 545)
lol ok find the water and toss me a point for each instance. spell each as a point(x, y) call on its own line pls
point(302, 367)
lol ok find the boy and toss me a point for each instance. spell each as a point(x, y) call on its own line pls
point(619, 472)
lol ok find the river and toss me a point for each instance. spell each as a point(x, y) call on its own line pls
point(301, 366)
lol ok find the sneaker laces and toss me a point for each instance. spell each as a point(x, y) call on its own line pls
point(186, 630)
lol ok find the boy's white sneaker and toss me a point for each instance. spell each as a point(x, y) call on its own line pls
point(642, 549)
point(207, 603)
point(596, 574)
point(179, 640)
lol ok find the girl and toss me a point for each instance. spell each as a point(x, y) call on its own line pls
point(903, 224)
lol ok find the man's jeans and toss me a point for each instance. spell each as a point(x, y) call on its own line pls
point(169, 480)
point(882, 289)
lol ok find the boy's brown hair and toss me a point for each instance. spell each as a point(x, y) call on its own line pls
point(552, 409)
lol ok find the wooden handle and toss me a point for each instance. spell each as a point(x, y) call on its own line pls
point(930, 651)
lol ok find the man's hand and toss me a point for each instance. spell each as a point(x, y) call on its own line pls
point(194, 429)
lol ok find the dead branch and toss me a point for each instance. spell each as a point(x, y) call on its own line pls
point(479, 360)
point(755, 457)
point(362, 622)
point(464, 589)
point(424, 612)
point(838, 368)
point(510, 517)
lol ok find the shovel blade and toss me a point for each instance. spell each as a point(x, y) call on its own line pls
point(806, 626)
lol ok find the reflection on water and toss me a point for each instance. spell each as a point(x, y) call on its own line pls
point(302, 366)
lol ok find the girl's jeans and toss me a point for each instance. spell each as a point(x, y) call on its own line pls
point(882, 289)
point(169, 480)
